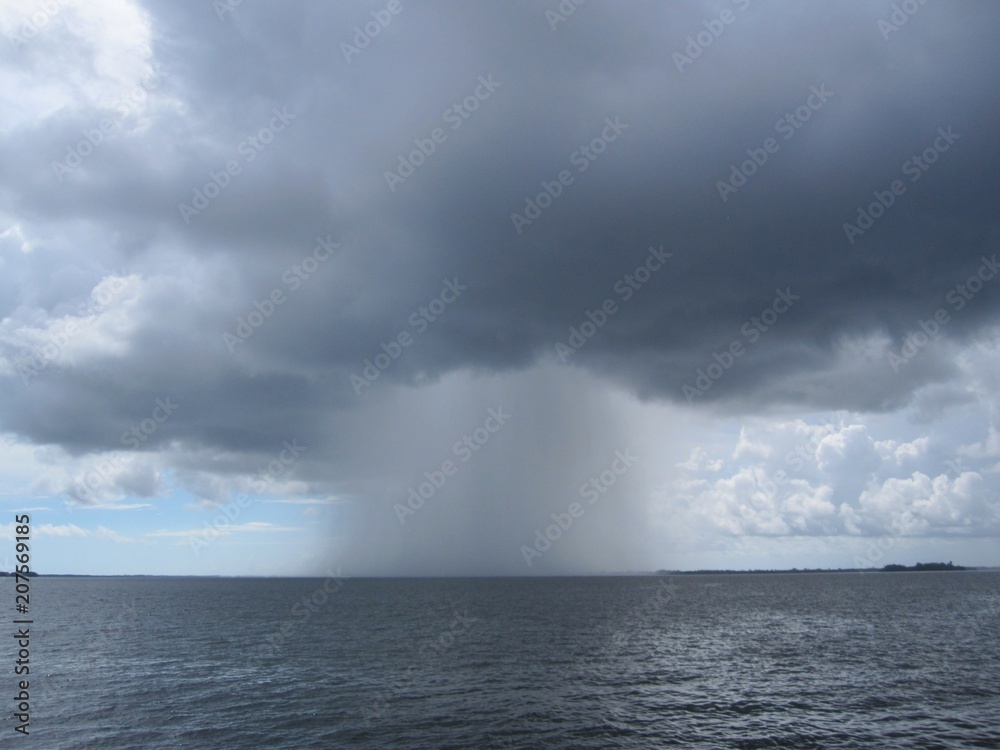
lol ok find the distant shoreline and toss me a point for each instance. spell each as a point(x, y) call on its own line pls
point(918, 568)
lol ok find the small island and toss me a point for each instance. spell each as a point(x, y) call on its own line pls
point(922, 566)
point(919, 567)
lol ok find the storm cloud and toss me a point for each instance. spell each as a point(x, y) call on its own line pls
point(363, 225)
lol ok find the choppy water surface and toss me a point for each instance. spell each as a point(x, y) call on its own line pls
point(741, 661)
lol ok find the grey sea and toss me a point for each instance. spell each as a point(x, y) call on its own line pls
point(874, 660)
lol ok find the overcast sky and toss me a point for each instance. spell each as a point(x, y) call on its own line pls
point(499, 288)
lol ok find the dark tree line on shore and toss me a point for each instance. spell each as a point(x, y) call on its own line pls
point(931, 566)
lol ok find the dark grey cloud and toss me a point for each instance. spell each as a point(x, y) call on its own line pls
point(219, 81)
